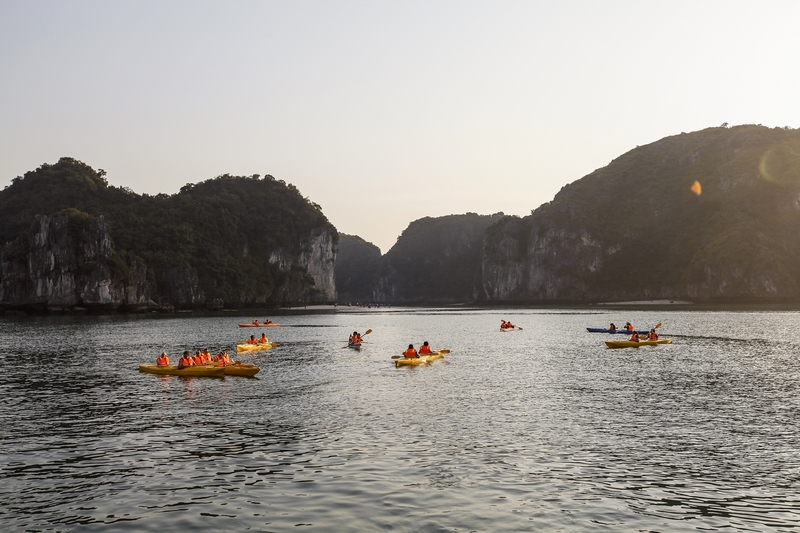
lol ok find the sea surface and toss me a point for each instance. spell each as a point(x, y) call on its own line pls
point(540, 429)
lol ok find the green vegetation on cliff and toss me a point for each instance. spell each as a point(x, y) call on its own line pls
point(635, 229)
point(234, 232)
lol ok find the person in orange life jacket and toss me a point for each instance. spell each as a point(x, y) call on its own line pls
point(612, 327)
point(263, 339)
point(410, 353)
point(206, 355)
point(255, 322)
point(162, 360)
point(425, 349)
point(653, 336)
point(635, 337)
point(628, 326)
point(225, 357)
point(185, 361)
point(198, 358)
point(252, 340)
point(268, 321)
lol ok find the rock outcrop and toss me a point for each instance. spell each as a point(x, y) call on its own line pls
point(67, 265)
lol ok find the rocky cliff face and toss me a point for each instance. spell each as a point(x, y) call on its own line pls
point(638, 229)
point(65, 267)
point(314, 279)
point(435, 260)
point(62, 269)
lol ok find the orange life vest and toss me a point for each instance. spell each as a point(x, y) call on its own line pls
point(162, 360)
point(635, 337)
point(252, 341)
point(263, 339)
point(652, 336)
point(410, 353)
point(424, 349)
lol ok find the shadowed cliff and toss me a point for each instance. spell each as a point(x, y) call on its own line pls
point(435, 260)
point(638, 229)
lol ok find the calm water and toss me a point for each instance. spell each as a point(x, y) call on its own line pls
point(539, 430)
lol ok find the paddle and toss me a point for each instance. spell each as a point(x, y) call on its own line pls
point(421, 355)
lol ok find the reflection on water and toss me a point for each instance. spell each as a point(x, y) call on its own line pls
point(541, 429)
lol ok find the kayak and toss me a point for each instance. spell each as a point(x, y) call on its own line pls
point(422, 359)
point(251, 325)
point(240, 369)
point(251, 347)
point(172, 370)
point(354, 345)
point(505, 330)
point(603, 330)
point(636, 344)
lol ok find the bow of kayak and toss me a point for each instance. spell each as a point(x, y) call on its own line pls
point(636, 344)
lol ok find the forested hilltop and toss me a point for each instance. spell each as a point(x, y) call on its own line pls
point(71, 239)
point(712, 214)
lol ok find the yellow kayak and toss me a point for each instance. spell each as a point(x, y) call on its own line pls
point(422, 359)
point(251, 347)
point(172, 370)
point(636, 344)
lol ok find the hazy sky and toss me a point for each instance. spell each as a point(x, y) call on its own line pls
point(383, 112)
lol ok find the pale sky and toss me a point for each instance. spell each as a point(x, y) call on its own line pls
point(383, 112)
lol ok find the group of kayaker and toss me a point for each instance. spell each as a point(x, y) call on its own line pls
point(355, 338)
point(628, 327)
point(261, 340)
point(652, 336)
point(265, 323)
point(506, 325)
point(410, 353)
point(201, 357)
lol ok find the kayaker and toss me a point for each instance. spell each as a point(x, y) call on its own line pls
point(255, 322)
point(612, 327)
point(252, 340)
point(506, 325)
point(635, 337)
point(628, 326)
point(185, 361)
point(206, 356)
point(225, 357)
point(410, 353)
point(162, 360)
point(652, 336)
point(425, 349)
point(268, 322)
point(263, 339)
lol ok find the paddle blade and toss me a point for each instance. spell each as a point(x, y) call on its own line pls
point(444, 351)
point(274, 344)
point(396, 356)
point(657, 325)
point(367, 332)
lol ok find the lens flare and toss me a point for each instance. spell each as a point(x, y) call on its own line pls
point(696, 188)
point(781, 163)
